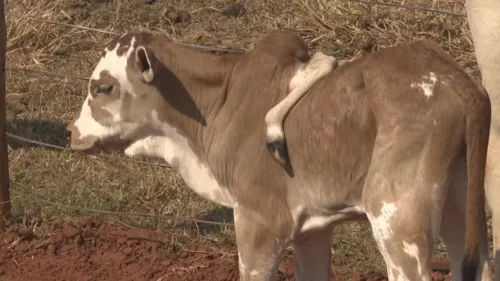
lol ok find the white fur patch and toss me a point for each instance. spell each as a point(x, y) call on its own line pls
point(427, 85)
point(116, 66)
point(114, 109)
point(174, 148)
point(314, 222)
point(382, 230)
point(88, 126)
point(412, 251)
point(305, 77)
point(274, 132)
point(381, 225)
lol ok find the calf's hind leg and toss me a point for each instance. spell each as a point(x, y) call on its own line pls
point(403, 199)
point(453, 225)
point(404, 239)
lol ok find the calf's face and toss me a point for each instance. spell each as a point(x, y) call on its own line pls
point(118, 105)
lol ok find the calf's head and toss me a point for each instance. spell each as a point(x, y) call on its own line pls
point(121, 99)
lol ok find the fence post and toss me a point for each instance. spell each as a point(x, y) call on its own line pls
point(4, 158)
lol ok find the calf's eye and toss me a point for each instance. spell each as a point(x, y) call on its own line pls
point(104, 89)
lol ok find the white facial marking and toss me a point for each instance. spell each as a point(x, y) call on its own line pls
point(174, 148)
point(382, 230)
point(427, 85)
point(88, 126)
point(305, 77)
point(114, 109)
point(116, 65)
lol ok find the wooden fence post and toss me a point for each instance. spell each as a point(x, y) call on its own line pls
point(4, 158)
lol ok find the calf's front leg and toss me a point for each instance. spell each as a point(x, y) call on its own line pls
point(313, 255)
point(259, 250)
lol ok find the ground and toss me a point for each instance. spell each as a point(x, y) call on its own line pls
point(52, 190)
point(93, 250)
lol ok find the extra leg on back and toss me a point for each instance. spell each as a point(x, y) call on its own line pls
point(308, 74)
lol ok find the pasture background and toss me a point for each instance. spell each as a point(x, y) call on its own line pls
point(40, 106)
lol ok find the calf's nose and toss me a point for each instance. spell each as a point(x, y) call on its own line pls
point(76, 141)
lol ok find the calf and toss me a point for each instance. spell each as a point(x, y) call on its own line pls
point(398, 136)
point(484, 22)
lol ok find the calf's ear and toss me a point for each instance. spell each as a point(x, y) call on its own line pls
point(144, 63)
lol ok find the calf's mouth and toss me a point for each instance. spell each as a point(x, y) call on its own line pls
point(93, 144)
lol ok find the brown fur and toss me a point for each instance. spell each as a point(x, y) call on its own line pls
point(360, 136)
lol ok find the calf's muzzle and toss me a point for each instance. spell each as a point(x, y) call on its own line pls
point(76, 142)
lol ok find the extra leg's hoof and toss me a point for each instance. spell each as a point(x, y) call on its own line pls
point(279, 151)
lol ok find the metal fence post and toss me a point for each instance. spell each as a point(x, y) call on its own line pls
point(5, 206)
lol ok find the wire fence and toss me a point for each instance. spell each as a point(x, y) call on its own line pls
point(98, 211)
point(82, 78)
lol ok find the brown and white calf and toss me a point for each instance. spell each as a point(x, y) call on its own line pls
point(484, 23)
point(398, 136)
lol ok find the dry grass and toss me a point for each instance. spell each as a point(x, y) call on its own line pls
point(39, 106)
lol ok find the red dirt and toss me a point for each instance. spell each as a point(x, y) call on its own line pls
point(89, 250)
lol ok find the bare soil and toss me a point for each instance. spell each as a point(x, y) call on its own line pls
point(87, 250)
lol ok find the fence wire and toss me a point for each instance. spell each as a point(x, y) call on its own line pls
point(128, 214)
point(48, 145)
point(200, 47)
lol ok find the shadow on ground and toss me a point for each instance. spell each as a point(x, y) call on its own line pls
point(47, 131)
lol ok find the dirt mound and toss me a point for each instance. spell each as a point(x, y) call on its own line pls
point(89, 250)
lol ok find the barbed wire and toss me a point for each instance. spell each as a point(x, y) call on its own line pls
point(48, 73)
point(48, 145)
point(44, 144)
point(195, 46)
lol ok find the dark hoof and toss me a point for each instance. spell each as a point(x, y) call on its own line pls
point(278, 150)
